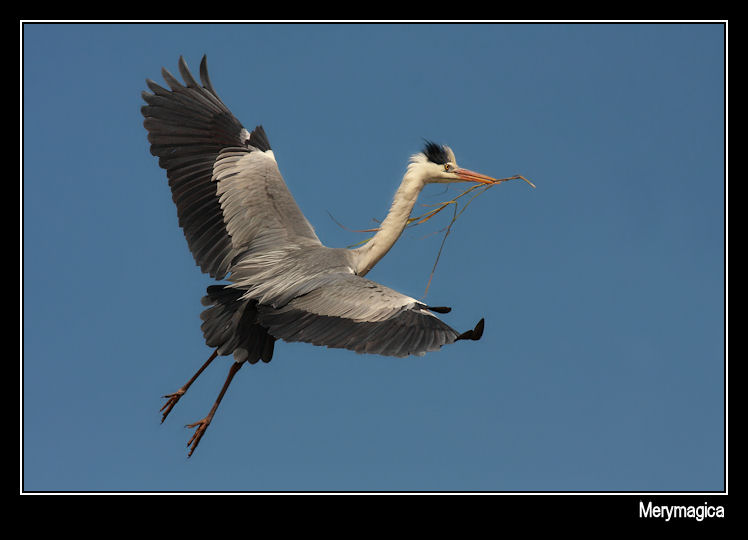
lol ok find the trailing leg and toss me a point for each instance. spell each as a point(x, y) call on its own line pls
point(173, 398)
point(203, 424)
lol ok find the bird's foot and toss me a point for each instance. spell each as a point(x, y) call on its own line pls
point(169, 405)
point(201, 426)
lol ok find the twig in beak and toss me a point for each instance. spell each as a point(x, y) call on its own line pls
point(456, 214)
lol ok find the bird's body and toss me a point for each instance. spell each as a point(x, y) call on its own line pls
point(243, 226)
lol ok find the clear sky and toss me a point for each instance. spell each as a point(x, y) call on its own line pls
point(603, 290)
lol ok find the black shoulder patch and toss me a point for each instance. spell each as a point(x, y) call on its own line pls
point(435, 153)
point(259, 139)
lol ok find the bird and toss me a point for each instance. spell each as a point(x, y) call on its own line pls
point(275, 278)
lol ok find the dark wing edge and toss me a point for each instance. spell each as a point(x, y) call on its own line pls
point(357, 314)
point(188, 125)
point(410, 332)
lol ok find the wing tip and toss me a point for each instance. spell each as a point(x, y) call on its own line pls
point(475, 334)
point(204, 78)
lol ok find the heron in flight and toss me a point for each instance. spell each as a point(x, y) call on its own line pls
point(243, 226)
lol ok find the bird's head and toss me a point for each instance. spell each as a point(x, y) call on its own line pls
point(436, 163)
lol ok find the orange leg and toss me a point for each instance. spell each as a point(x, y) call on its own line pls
point(173, 398)
point(203, 424)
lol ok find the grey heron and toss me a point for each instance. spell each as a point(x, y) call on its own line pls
point(243, 226)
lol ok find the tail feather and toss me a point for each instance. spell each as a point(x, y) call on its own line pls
point(230, 325)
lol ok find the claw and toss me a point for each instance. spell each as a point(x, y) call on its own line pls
point(201, 425)
point(173, 398)
point(169, 405)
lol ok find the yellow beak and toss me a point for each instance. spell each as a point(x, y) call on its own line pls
point(472, 176)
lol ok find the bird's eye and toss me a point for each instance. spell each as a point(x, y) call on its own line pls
point(447, 167)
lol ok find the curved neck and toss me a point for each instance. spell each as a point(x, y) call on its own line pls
point(392, 227)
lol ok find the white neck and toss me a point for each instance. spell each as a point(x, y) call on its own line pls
point(392, 227)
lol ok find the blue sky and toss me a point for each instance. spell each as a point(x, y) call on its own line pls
point(602, 363)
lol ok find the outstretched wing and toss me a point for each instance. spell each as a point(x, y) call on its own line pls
point(198, 141)
point(238, 216)
point(352, 312)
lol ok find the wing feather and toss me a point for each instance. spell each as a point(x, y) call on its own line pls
point(239, 217)
point(189, 128)
point(255, 200)
point(355, 313)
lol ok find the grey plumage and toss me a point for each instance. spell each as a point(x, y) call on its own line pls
point(242, 225)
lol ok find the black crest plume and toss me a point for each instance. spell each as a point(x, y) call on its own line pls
point(435, 153)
